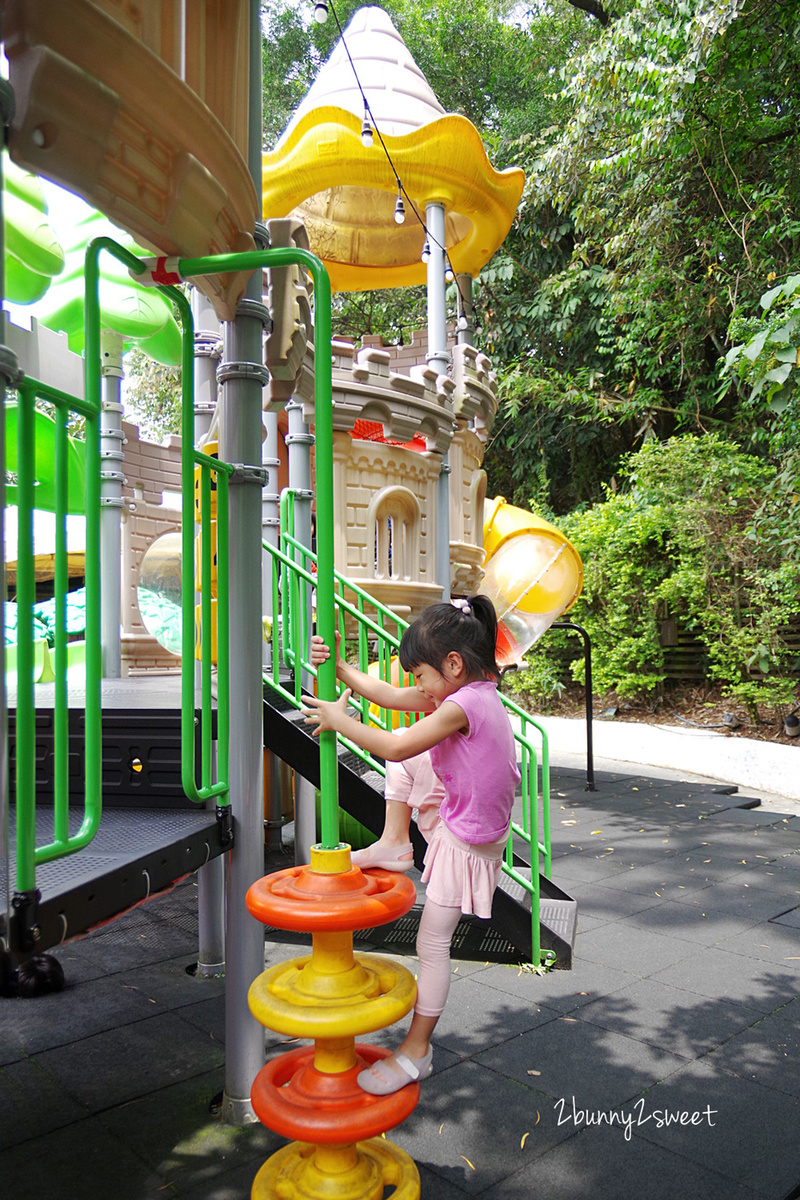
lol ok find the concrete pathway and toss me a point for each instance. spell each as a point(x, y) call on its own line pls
point(665, 1064)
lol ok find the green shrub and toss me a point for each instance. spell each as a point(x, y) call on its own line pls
point(679, 538)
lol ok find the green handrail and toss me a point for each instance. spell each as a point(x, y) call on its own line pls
point(207, 789)
point(294, 563)
point(29, 855)
point(255, 260)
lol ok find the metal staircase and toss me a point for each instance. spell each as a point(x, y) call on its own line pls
point(361, 796)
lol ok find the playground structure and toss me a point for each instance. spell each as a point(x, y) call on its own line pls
point(190, 194)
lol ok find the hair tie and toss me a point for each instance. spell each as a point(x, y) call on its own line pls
point(463, 606)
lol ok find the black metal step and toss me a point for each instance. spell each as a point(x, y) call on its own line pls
point(150, 834)
point(558, 916)
point(135, 854)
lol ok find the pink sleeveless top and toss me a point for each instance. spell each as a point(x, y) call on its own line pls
point(478, 770)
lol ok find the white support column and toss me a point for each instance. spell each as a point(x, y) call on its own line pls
point(299, 441)
point(270, 519)
point(111, 480)
point(439, 358)
point(465, 325)
point(243, 376)
point(211, 877)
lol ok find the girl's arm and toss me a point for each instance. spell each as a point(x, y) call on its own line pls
point(327, 715)
point(377, 691)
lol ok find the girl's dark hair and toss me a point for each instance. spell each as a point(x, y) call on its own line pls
point(471, 631)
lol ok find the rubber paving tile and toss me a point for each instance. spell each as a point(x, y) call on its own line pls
point(684, 999)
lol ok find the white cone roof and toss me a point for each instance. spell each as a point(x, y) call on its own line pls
point(399, 95)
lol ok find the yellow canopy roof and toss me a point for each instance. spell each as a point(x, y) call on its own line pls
point(345, 193)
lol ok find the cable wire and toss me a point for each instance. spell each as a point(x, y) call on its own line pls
point(400, 188)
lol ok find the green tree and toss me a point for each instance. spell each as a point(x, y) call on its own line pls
point(655, 210)
point(678, 540)
point(152, 396)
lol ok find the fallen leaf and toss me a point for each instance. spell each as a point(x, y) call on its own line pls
point(466, 1160)
point(522, 1143)
point(538, 1116)
point(441, 1127)
point(569, 822)
point(595, 831)
point(534, 1072)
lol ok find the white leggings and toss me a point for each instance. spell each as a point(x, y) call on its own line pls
point(436, 928)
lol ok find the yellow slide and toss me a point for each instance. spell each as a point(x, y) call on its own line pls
point(532, 574)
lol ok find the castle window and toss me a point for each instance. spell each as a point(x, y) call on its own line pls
point(394, 517)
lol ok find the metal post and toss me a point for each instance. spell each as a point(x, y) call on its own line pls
point(465, 325)
point(211, 877)
point(587, 660)
point(270, 521)
point(270, 500)
point(207, 353)
point(439, 359)
point(242, 376)
point(305, 819)
point(111, 502)
point(299, 441)
point(270, 533)
point(8, 373)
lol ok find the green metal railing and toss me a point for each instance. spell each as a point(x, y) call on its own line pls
point(377, 632)
point(28, 854)
point(207, 788)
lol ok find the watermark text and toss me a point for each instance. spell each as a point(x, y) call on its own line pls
point(636, 1117)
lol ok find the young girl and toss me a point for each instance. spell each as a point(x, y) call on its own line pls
point(467, 744)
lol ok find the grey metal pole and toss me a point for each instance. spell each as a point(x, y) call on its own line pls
point(439, 358)
point(465, 326)
point(8, 374)
point(270, 533)
point(305, 819)
point(270, 519)
point(299, 441)
point(207, 353)
point(242, 376)
point(211, 877)
point(111, 502)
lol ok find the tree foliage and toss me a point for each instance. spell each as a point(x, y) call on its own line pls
point(643, 315)
point(152, 396)
point(654, 213)
point(678, 540)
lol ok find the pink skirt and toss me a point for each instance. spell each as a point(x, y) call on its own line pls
point(461, 874)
